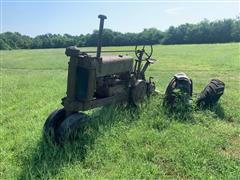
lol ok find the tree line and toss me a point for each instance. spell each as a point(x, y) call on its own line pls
point(221, 31)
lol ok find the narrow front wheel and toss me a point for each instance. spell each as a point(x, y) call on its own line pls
point(69, 127)
point(52, 123)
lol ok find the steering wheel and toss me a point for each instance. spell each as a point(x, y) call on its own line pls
point(143, 53)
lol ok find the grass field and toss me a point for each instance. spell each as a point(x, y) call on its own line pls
point(119, 143)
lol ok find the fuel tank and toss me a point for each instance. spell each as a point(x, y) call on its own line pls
point(104, 66)
point(115, 64)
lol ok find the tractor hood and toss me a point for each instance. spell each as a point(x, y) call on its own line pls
point(115, 64)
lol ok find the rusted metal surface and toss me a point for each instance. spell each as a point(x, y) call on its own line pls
point(115, 64)
point(83, 106)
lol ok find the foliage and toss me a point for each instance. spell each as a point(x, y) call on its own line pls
point(182, 106)
point(222, 31)
point(227, 30)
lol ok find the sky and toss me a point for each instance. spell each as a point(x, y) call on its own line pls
point(80, 17)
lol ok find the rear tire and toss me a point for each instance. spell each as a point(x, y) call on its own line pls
point(69, 127)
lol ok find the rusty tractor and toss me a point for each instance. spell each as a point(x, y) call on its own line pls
point(95, 81)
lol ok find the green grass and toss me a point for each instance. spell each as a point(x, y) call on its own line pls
point(120, 142)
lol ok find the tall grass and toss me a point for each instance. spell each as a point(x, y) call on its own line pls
point(121, 142)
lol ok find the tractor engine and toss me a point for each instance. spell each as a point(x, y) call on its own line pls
point(91, 78)
point(111, 85)
point(114, 75)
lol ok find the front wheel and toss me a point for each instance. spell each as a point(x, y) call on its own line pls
point(52, 123)
point(69, 127)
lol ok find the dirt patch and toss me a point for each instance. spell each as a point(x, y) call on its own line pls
point(233, 149)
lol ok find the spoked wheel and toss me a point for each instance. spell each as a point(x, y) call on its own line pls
point(52, 123)
point(69, 127)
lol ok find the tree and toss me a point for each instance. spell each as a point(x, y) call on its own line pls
point(221, 31)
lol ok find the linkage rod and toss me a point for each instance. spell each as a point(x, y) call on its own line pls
point(110, 51)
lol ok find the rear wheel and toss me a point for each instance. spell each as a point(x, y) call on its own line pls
point(52, 123)
point(69, 127)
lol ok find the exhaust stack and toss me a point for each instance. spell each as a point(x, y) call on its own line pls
point(99, 46)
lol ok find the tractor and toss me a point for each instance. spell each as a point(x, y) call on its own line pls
point(95, 81)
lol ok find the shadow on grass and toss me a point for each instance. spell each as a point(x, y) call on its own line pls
point(183, 112)
point(219, 111)
point(47, 159)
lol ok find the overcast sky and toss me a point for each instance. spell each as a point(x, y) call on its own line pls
point(72, 17)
